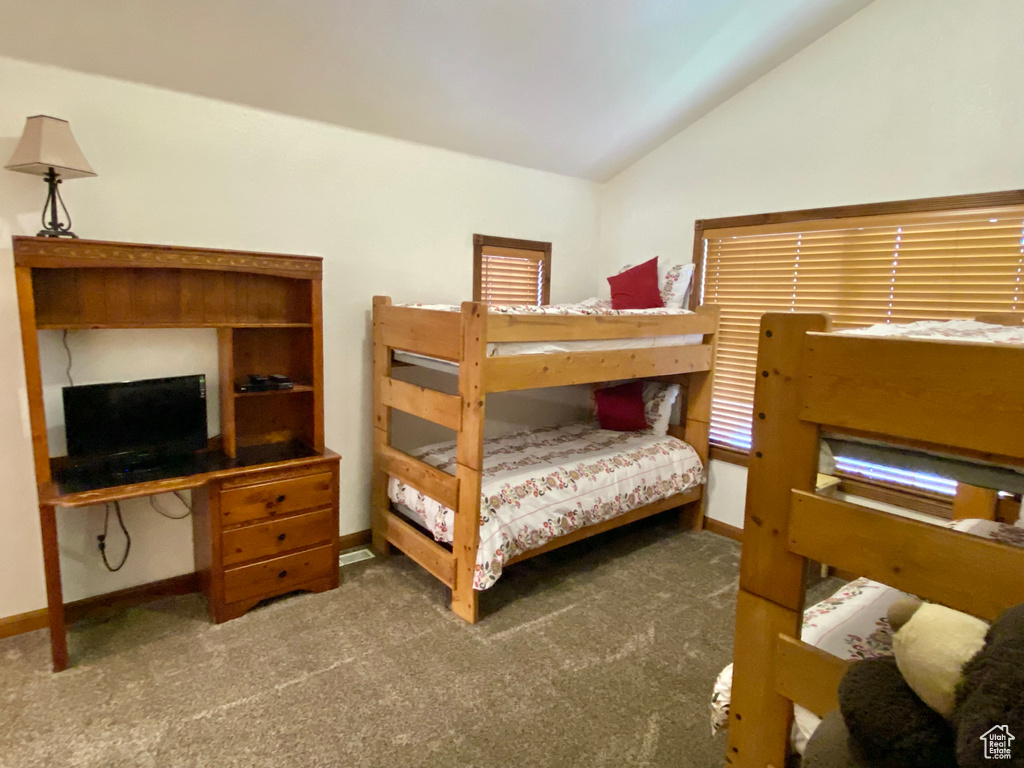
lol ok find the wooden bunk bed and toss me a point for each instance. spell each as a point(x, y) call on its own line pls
point(462, 338)
point(954, 398)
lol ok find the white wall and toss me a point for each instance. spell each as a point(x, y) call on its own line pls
point(387, 216)
point(909, 98)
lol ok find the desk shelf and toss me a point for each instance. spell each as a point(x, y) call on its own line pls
point(293, 391)
point(125, 326)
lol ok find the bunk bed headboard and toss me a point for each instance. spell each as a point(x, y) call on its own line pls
point(962, 398)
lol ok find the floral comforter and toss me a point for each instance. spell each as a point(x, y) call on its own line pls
point(600, 307)
point(948, 330)
point(547, 482)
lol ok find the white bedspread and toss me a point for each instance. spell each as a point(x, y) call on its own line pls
point(544, 483)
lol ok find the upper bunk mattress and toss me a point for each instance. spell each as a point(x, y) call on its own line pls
point(590, 307)
point(544, 483)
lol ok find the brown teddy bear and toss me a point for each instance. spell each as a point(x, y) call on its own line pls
point(951, 697)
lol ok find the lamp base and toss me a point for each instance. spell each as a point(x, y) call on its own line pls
point(54, 227)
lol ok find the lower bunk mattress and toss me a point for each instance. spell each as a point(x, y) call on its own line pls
point(544, 483)
point(852, 624)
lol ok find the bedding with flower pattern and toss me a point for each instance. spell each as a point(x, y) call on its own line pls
point(548, 482)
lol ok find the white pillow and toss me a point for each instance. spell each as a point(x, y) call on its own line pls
point(674, 281)
point(675, 285)
point(658, 401)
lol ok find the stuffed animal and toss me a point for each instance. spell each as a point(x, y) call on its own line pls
point(989, 707)
point(951, 682)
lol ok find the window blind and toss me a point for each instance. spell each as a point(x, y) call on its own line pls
point(512, 276)
point(864, 270)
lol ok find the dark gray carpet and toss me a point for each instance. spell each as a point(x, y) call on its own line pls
point(600, 654)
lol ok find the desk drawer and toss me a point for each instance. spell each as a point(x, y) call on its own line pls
point(252, 502)
point(271, 538)
point(277, 576)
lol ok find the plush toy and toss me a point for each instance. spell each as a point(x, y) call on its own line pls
point(990, 697)
point(952, 680)
point(931, 648)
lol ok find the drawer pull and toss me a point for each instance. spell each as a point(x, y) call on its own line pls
point(282, 574)
point(280, 498)
point(282, 537)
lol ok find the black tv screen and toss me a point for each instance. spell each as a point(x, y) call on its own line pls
point(152, 416)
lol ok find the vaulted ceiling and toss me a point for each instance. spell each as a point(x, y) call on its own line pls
point(579, 87)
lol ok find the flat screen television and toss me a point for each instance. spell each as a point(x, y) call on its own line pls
point(136, 422)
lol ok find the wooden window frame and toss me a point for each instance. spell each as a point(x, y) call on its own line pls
point(915, 499)
point(483, 241)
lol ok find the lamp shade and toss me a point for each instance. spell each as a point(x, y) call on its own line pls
point(47, 143)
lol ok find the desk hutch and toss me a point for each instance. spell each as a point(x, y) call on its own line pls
point(265, 506)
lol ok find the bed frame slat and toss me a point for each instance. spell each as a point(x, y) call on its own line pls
point(808, 675)
point(654, 508)
point(502, 327)
point(916, 389)
point(428, 404)
point(514, 372)
point(437, 560)
point(424, 331)
point(431, 481)
point(969, 573)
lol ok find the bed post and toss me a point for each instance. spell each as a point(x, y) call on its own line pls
point(470, 453)
point(698, 420)
point(783, 456)
point(380, 505)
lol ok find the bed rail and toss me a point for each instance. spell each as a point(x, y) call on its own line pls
point(962, 398)
point(515, 372)
point(502, 327)
point(965, 572)
point(421, 331)
point(954, 394)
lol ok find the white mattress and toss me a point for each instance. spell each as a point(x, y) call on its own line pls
point(548, 482)
point(590, 307)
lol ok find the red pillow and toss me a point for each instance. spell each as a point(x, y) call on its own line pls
point(637, 288)
point(621, 408)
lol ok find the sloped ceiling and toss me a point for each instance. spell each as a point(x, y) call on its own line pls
point(578, 87)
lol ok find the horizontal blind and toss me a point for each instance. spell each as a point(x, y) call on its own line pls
point(864, 270)
point(511, 276)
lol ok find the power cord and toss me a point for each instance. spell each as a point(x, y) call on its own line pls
point(168, 515)
point(67, 349)
point(102, 539)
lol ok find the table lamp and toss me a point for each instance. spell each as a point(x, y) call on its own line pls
point(48, 149)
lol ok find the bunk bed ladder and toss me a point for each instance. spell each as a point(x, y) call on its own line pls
point(460, 338)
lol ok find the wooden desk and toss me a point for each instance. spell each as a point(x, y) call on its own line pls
point(263, 527)
point(289, 543)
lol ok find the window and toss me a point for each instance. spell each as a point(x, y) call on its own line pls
point(941, 258)
point(510, 271)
